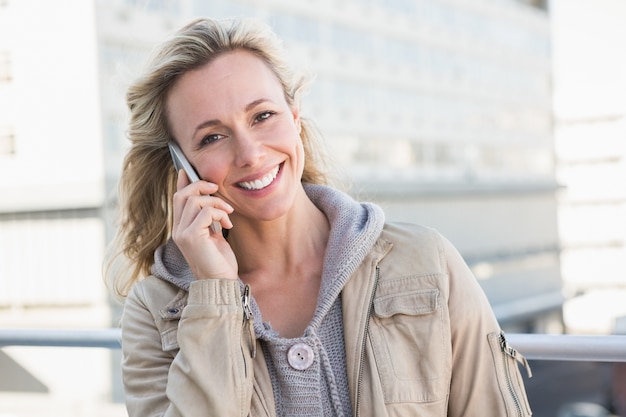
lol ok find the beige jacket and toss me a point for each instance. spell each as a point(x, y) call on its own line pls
point(420, 337)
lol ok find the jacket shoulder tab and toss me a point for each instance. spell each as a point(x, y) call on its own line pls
point(417, 250)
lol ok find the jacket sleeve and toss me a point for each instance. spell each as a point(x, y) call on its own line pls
point(486, 379)
point(211, 375)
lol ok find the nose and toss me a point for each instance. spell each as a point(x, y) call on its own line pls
point(248, 148)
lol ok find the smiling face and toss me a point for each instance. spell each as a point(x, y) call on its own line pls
point(232, 121)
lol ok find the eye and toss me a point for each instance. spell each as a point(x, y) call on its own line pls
point(211, 138)
point(263, 116)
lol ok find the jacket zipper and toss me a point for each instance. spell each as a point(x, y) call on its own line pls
point(245, 302)
point(247, 315)
point(511, 352)
point(367, 325)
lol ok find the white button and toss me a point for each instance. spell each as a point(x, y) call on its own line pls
point(300, 356)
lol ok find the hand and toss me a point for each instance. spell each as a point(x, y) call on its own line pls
point(207, 252)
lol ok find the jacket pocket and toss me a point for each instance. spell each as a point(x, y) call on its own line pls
point(408, 341)
point(506, 361)
point(168, 326)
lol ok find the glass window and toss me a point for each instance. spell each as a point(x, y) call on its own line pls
point(296, 28)
point(5, 66)
point(403, 7)
point(222, 9)
point(163, 6)
point(7, 141)
point(352, 41)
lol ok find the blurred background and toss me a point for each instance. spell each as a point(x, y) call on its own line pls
point(502, 123)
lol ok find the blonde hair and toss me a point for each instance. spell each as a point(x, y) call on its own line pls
point(148, 178)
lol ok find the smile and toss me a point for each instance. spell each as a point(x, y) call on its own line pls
point(260, 183)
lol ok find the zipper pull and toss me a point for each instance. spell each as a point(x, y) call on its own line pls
point(247, 315)
point(245, 302)
point(507, 349)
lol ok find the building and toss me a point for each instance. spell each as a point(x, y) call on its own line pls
point(439, 110)
point(590, 143)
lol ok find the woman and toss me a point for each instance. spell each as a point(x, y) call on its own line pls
point(307, 303)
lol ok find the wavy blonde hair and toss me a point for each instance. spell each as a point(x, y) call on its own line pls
point(148, 178)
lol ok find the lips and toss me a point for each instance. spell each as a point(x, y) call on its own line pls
point(262, 182)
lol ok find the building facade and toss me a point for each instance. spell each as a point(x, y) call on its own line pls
point(590, 143)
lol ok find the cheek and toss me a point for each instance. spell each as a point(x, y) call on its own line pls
point(288, 140)
point(300, 147)
point(213, 170)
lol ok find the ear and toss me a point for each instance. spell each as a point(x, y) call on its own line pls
point(295, 111)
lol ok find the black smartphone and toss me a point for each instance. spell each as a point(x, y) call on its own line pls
point(181, 162)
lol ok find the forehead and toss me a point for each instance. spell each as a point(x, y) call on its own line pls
point(239, 69)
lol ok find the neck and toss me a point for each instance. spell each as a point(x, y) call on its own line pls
point(271, 248)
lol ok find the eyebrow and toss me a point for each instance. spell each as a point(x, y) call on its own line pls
point(215, 122)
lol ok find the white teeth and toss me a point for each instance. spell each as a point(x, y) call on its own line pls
point(262, 183)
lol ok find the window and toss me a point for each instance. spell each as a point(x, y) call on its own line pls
point(7, 141)
point(163, 6)
point(5, 64)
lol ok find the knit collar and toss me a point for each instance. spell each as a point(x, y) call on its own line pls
point(354, 228)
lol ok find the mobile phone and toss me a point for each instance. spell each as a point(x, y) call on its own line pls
point(181, 162)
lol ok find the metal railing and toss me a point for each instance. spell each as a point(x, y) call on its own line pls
point(563, 347)
point(92, 338)
point(592, 348)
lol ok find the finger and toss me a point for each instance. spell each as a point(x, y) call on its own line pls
point(203, 187)
point(213, 219)
point(182, 180)
point(181, 195)
point(219, 214)
point(192, 197)
point(202, 211)
point(221, 219)
point(218, 203)
point(178, 199)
